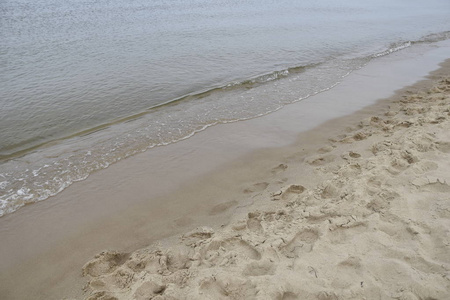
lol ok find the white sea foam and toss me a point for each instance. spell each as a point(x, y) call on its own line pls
point(393, 48)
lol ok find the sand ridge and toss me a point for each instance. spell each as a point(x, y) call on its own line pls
point(370, 221)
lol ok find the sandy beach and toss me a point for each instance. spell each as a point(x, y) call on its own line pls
point(364, 215)
point(224, 150)
point(352, 207)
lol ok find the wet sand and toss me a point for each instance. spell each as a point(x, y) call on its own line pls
point(170, 190)
point(363, 217)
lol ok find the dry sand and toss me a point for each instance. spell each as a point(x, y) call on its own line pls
point(364, 216)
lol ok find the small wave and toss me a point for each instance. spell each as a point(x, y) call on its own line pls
point(261, 79)
point(258, 80)
point(431, 38)
point(434, 37)
point(37, 175)
point(393, 48)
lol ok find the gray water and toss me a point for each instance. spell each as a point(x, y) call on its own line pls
point(84, 84)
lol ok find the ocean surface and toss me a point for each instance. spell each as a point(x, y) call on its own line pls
point(84, 84)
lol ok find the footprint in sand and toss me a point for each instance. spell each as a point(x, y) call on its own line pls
point(222, 207)
point(197, 235)
point(104, 263)
point(183, 221)
point(402, 160)
point(321, 160)
point(257, 187)
point(330, 190)
point(303, 241)
point(325, 149)
point(158, 262)
point(350, 155)
point(259, 268)
point(292, 192)
point(120, 279)
point(361, 136)
point(149, 290)
point(354, 154)
point(280, 168)
point(254, 222)
point(356, 137)
point(236, 245)
point(346, 271)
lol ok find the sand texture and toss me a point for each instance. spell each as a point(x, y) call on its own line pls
point(367, 216)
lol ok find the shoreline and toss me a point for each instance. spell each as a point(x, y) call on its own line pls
point(365, 216)
point(217, 212)
point(50, 169)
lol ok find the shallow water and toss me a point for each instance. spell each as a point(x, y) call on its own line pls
point(87, 83)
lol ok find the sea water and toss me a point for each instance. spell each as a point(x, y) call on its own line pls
point(84, 84)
